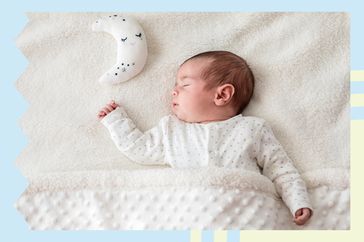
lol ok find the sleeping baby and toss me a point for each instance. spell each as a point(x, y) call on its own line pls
point(208, 129)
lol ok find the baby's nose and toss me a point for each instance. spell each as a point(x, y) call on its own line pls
point(174, 93)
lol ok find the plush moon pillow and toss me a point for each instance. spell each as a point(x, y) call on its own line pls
point(132, 47)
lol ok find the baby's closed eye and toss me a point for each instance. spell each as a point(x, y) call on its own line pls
point(183, 85)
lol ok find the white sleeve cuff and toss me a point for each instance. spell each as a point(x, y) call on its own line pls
point(298, 206)
point(115, 115)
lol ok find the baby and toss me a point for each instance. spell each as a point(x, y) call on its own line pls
point(208, 129)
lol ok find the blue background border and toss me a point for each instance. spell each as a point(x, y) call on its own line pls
point(12, 104)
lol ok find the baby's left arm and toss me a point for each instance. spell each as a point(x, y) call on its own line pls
point(280, 169)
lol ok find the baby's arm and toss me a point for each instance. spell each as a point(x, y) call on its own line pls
point(143, 148)
point(280, 169)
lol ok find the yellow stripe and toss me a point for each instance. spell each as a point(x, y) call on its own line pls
point(195, 236)
point(357, 76)
point(300, 236)
point(220, 236)
point(357, 100)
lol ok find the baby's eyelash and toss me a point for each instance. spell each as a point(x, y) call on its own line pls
point(184, 85)
point(139, 35)
point(124, 39)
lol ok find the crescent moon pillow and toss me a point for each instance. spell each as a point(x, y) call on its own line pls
point(131, 47)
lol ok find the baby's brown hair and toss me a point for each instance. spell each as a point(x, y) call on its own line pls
point(226, 67)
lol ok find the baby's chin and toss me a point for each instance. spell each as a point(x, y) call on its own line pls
point(186, 118)
point(178, 115)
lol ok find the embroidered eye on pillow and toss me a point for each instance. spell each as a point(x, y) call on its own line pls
point(132, 49)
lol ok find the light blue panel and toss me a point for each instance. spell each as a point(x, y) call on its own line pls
point(187, 5)
point(109, 236)
point(357, 113)
point(12, 141)
point(207, 236)
point(233, 236)
point(357, 87)
point(357, 35)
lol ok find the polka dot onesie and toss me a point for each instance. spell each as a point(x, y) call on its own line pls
point(241, 142)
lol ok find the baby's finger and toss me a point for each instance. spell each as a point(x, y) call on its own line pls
point(299, 220)
point(306, 214)
point(110, 107)
point(298, 213)
point(106, 110)
point(114, 105)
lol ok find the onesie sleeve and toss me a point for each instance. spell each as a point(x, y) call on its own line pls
point(144, 148)
point(278, 167)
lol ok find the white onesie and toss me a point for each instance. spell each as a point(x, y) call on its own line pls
point(242, 142)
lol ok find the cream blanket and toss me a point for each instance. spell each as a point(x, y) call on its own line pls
point(300, 60)
point(301, 65)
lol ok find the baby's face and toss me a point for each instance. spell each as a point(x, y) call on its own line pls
point(191, 102)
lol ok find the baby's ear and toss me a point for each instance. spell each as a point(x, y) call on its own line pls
point(224, 94)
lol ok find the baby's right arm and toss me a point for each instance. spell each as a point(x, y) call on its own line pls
point(144, 148)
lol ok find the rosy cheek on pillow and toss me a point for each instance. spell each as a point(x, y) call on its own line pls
point(131, 47)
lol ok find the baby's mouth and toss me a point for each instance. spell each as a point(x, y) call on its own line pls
point(174, 104)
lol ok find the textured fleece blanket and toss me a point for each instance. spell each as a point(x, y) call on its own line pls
point(300, 61)
point(204, 198)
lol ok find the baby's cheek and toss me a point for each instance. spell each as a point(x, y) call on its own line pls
point(195, 105)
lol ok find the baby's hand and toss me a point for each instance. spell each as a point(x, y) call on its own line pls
point(107, 109)
point(302, 215)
